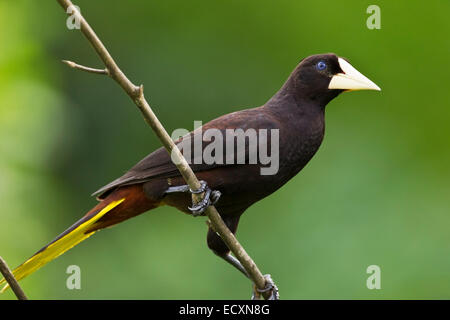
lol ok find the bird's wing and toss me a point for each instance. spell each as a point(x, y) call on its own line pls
point(158, 164)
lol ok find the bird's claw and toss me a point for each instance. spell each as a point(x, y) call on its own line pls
point(210, 197)
point(270, 286)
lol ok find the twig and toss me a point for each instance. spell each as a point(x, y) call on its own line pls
point(136, 93)
point(87, 69)
point(9, 277)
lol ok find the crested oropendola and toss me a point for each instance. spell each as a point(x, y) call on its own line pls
point(296, 111)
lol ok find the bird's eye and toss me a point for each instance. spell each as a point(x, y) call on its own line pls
point(321, 65)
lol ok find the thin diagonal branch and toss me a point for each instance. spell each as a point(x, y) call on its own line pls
point(136, 93)
point(87, 69)
point(9, 277)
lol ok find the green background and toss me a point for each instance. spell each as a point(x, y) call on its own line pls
point(377, 192)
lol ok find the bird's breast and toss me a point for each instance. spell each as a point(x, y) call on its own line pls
point(299, 142)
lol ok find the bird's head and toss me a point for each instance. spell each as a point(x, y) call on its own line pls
point(322, 77)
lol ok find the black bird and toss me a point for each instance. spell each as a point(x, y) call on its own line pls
point(295, 112)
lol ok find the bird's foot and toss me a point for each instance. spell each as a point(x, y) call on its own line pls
point(270, 287)
point(210, 198)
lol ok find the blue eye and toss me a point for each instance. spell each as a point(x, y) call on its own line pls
point(321, 65)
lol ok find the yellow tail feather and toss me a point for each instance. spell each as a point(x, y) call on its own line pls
point(58, 247)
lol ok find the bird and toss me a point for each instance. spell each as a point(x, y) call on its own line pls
point(296, 113)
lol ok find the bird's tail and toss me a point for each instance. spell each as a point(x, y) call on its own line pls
point(100, 216)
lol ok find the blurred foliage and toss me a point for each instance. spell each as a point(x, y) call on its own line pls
point(377, 192)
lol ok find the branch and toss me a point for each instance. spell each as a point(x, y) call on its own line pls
point(136, 93)
point(9, 277)
point(87, 69)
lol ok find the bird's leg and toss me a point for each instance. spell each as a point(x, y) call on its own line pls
point(270, 286)
point(219, 248)
point(210, 197)
point(234, 262)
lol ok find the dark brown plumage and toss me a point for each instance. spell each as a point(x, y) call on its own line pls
point(297, 110)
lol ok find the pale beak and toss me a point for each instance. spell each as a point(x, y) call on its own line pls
point(351, 79)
